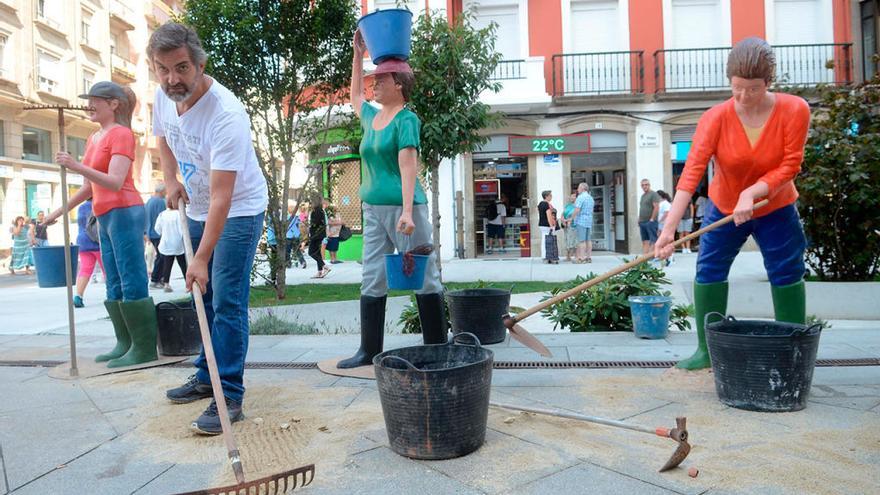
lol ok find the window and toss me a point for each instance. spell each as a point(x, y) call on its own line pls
point(2, 139)
point(41, 8)
point(3, 41)
point(76, 147)
point(84, 31)
point(869, 39)
point(36, 145)
point(87, 80)
point(49, 68)
point(113, 43)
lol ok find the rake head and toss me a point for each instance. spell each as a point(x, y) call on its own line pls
point(278, 484)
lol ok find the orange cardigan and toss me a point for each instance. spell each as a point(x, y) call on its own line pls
point(776, 158)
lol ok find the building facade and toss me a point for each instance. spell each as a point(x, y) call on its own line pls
point(50, 52)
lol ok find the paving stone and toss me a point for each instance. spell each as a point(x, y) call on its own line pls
point(503, 463)
point(863, 398)
point(274, 355)
point(842, 351)
point(39, 391)
point(847, 375)
point(587, 478)
point(661, 352)
point(3, 487)
point(37, 440)
point(526, 354)
point(565, 338)
point(110, 469)
point(264, 341)
point(603, 406)
point(382, 471)
point(178, 478)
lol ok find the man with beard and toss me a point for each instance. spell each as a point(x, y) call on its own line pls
point(204, 132)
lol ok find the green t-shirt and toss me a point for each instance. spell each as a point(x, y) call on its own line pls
point(380, 182)
point(646, 205)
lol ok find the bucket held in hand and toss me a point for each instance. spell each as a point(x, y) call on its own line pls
point(401, 279)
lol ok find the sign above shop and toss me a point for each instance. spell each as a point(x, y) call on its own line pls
point(545, 145)
point(334, 151)
point(488, 187)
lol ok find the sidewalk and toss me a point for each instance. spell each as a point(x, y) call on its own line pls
point(118, 435)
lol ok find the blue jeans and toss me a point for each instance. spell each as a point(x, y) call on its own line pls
point(227, 306)
point(779, 235)
point(41, 242)
point(122, 251)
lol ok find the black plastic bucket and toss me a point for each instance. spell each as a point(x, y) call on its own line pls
point(178, 333)
point(762, 365)
point(435, 398)
point(480, 312)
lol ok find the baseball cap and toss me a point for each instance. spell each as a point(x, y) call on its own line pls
point(391, 65)
point(105, 89)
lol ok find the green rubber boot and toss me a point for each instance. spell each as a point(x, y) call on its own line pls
point(123, 339)
point(140, 317)
point(790, 302)
point(708, 298)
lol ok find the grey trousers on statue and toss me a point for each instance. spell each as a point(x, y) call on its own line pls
point(381, 238)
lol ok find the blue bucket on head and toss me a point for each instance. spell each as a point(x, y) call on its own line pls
point(650, 316)
point(49, 262)
point(387, 34)
point(399, 280)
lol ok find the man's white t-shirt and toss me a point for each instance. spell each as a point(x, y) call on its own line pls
point(168, 226)
point(662, 212)
point(215, 134)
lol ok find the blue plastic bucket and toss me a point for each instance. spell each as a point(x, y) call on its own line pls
point(650, 316)
point(399, 280)
point(49, 262)
point(387, 34)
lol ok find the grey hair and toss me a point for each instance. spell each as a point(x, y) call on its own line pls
point(546, 193)
point(583, 186)
point(173, 35)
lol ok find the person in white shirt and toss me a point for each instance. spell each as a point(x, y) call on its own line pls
point(170, 245)
point(496, 226)
point(204, 133)
point(663, 212)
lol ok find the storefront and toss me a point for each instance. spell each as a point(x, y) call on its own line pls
point(341, 181)
point(604, 171)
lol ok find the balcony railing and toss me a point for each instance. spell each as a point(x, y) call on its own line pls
point(604, 73)
point(705, 69)
point(122, 13)
point(46, 85)
point(509, 69)
point(122, 67)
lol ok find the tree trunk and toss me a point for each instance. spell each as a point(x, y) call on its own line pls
point(435, 210)
point(280, 267)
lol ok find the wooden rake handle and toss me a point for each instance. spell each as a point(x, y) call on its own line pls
point(204, 329)
point(620, 269)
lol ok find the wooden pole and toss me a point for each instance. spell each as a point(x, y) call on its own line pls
point(68, 263)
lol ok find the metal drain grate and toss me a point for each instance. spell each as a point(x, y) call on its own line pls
point(498, 365)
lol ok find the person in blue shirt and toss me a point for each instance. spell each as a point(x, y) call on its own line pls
point(292, 236)
point(155, 205)
point(583, 223)
point(89, 252)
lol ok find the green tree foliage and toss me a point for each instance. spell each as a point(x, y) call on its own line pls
point(453, 63)
point(839, 184)
point(290, 64)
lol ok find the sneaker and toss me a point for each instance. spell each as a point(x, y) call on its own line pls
point(209, 422)
point(190, 391)
point(157, 285)
point(78, 302)
point(335, 262)
point(168, 288)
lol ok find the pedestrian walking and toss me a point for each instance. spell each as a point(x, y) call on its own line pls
point(757, 139)
point(170, 245)
point(394, 205)
point(334, 227)
point(317, 233)
point(89, 250)
point(22, 256)
point(686, 226)
point(39, 230)
point(204, 133)
point(571, 240)
point(155, 206)
point(107, 172)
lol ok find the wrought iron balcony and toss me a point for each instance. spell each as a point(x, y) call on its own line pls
point(601, 73)
point(705, 69)
point(509, 69)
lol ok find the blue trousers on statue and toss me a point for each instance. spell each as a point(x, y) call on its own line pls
point(122, 252)
point(779, 235)
point(226, 299)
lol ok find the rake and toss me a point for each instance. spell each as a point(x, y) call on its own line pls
point(270, 485)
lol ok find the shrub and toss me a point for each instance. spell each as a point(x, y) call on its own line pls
point(839, 184)
point(270, 324)
point(605, 306)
